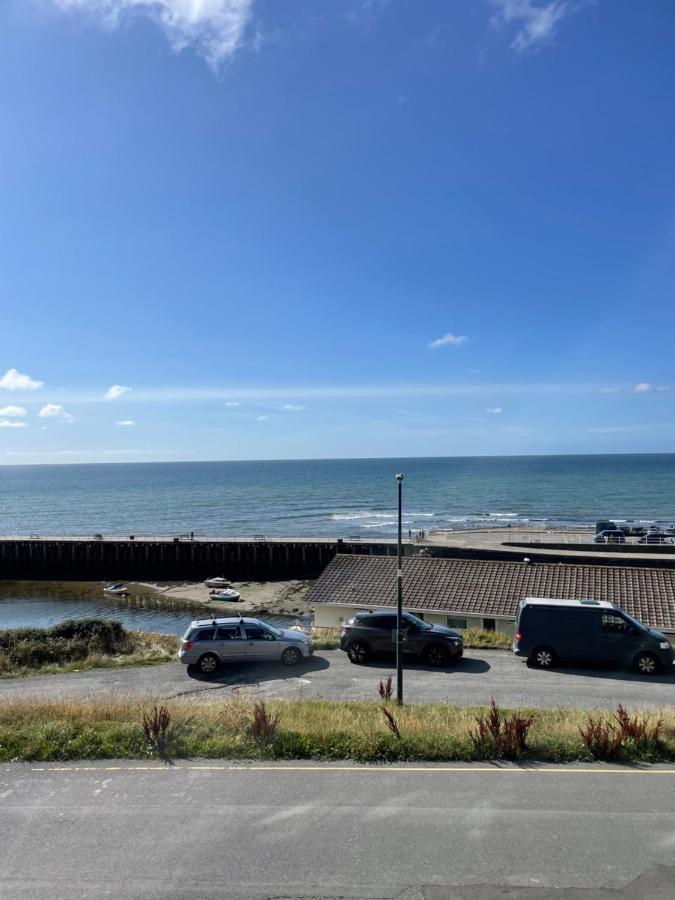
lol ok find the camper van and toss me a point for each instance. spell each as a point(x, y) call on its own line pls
point(549, 630)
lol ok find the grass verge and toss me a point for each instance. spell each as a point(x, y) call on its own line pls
point(76, 645)
point(474, 638)
point(293, 729)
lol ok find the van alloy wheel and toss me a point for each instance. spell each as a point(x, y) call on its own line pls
point(543, 657)
point(208, 664)
point(646, 664)
point(291, 656)
point(358, 652)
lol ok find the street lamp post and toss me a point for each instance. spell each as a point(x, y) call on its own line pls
point(399, 593)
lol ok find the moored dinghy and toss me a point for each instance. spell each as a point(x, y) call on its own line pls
point(115, 587)
point(228, 594)
point(219, 582)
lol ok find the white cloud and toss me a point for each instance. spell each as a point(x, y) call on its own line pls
point(536, 22)
point(642, 387)
point(117, 390)
point(263, 419)
point(9, 423)
point(16, 381)
point(55, 411)
point(448, 340)
point(126, 422)
point(213, 28)
point(232, 403)
point(12, 411)
point(494, 410)
point(292, 407)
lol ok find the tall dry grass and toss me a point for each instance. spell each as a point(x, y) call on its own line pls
point(306, 729)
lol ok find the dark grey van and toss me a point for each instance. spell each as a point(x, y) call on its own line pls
point(551, 630)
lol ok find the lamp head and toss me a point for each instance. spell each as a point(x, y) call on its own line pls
point(400, 477)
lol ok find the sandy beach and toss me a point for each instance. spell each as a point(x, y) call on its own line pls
point(275, 597)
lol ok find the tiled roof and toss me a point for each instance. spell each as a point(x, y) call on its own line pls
point(491, 588)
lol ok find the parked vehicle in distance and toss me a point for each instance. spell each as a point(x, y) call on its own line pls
point(208, 643)
point(632, 530)
point(655, 537)
point(610, 536)
point(371, 633)
point(604, 525)
point(576, 630)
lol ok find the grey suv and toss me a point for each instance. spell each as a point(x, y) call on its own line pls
point(208, 643)
point(369, 633)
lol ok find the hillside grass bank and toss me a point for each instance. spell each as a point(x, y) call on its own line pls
point(244, 728)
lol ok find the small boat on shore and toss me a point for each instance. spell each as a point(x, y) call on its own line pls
point(115, 587)
point(219, 582)
point(226, 594)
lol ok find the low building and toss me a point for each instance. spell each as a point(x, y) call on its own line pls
point(472, 593)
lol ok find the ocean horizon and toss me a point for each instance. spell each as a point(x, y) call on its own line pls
point(335, 497)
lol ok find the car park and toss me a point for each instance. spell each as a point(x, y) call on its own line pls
point(209, 643)
point(368, 634)
point(548, 631)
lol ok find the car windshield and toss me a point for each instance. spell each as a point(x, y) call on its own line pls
point(633, 621)
point(418, 623)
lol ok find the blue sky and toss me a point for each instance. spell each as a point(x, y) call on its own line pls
point(262, 217)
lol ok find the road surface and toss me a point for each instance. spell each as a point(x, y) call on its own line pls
point(471, 832)
point(482, 674)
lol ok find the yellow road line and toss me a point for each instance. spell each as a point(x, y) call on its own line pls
point(567, 770)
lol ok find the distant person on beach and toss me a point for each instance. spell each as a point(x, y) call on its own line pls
point(409, 533)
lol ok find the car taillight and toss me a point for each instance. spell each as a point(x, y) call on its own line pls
point(187, 645)
point(519, 636)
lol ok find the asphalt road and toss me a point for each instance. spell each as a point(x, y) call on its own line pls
point(160, 833)
point(482, 674)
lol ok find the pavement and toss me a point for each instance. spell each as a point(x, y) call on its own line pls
point(206, 830)
point(479, 676)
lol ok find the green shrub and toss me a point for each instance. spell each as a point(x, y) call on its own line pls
point(68, 641)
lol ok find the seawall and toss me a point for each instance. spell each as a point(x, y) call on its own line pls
point(172, 559)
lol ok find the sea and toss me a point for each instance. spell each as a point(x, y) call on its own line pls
point(334, 498)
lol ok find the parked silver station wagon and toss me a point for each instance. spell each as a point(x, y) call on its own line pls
point(208, 643)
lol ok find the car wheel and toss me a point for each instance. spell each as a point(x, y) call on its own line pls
point(435, 655)
point(358, 652)
point(291, 656)
point(646, 664)
point(542, 658)
point(208, 664)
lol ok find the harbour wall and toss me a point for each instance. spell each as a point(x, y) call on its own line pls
point(173, 559)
